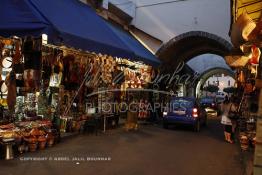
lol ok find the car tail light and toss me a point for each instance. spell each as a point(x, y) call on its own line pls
point(195, 113)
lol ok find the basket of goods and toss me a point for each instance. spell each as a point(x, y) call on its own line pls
point(41, 142)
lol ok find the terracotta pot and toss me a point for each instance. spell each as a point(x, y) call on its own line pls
point(42, 145)
point(50, 142)
point(32, 147)
point(41, 139)
point(31, 139)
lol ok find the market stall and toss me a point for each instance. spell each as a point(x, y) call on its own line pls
point(64, 88)
point(22, 125)
point(49, 86)
point(247, 39)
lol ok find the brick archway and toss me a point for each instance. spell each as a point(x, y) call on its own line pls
point(188, 45)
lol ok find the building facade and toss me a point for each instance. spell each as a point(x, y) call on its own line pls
point(220, 80)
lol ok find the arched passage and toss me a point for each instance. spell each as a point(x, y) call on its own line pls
point(191, 44)
point(205, 75)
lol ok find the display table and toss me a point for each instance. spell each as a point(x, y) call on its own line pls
point(8, 144)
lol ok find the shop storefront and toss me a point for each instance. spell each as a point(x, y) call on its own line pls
point(51, 89)
point(246, 61)
point(48, 89)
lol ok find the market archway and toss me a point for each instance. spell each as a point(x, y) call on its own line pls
point(186, 46)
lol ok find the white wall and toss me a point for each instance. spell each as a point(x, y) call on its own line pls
point(167, 20)
point(223, 81)
point(127, 6)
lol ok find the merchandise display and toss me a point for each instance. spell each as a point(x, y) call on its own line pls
point(47, 89)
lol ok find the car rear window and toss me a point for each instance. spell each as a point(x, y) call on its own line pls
point(182, 103)
point(206, 100)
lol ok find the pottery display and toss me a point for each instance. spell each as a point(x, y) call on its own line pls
point(50, 142)
point(32, 147)
point(21, 149)
point(50, 139)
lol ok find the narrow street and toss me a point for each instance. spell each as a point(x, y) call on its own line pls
point(151, 150)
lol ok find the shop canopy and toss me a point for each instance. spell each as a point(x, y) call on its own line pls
point(71, 23)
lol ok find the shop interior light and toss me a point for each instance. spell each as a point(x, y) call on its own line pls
point(7, 62)
point(4, 88)
point(44, 38)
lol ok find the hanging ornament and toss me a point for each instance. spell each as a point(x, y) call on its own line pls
point(241, 77)
point(255, 55)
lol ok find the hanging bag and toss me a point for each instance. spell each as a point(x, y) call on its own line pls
point(232, 115)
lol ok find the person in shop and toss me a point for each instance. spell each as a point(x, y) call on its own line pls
point(225, 120)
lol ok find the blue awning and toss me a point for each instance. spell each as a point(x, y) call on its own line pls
point(68, 22)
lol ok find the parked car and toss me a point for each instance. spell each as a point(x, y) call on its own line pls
point(210, 105)
point(220, 94)
point(208, 102)
point(220, 100)
point(212, 112)
point(185, 110)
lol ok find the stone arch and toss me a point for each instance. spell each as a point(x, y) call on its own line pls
point(188, 45)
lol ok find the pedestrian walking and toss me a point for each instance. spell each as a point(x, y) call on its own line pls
point(233, 115)
point(225, 120)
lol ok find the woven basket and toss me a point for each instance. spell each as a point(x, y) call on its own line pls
point(241, 29)
point(246, 24)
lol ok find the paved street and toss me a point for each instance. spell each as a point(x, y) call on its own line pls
point(151, 150)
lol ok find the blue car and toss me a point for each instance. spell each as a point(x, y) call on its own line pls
point(185, 110)
point(208, 102)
